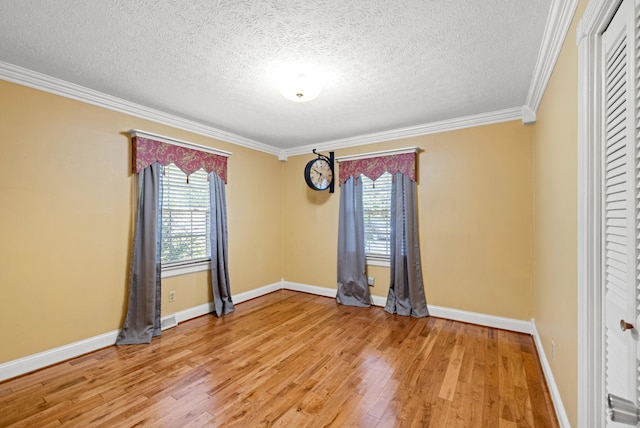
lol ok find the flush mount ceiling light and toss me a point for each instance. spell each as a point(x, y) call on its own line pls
point(300, 87)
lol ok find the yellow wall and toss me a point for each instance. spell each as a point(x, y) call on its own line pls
point(67, 215)
point(475, 210)
point(556, 194)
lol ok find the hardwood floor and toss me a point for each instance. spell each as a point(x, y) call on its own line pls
point(294, 359)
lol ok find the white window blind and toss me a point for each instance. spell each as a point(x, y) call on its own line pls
point(376, 202)
point(185, 217)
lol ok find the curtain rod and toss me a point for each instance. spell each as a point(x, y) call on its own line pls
point(176, 142)
point(379, 153)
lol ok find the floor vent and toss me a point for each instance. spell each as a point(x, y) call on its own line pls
point(168, 322)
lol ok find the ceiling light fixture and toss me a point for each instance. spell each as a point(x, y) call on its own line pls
point(300, 87)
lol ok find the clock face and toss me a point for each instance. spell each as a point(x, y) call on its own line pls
point(318, 174)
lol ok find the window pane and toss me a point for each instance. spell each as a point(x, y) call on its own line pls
point(376, 200)
point(185, 216)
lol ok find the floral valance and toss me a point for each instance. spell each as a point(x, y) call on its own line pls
point(146, 151)
point(374, 167)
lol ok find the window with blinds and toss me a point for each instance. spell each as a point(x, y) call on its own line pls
point(376, 202)
point(185, 217)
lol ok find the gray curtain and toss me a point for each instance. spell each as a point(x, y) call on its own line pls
point(352, 282)
point(406, 290)
point(219, 247)
point(143, 313)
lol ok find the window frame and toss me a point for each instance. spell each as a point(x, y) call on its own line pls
point(177, 268)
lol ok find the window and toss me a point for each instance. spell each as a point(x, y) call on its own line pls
point(185, 218)
point(376, 203)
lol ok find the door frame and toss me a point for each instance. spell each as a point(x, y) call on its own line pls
point(591, 355)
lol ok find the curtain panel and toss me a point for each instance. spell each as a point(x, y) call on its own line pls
point(406, 288)
point(353, 289)
point(143, 311)
point(219, 244)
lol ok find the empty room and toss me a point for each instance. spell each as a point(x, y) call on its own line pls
point(319, 213)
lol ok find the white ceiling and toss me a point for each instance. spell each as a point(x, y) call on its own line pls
point(385, 64)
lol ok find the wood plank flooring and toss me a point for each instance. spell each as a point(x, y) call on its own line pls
point(296, 360)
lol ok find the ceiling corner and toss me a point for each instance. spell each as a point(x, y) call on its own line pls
point(528, 116)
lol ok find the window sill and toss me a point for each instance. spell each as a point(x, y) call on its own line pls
point(184, 269)
point(378, 262)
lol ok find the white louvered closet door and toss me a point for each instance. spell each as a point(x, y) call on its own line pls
point(621, 202)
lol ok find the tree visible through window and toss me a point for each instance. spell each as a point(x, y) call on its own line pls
point(376, 201)
point(185, 217)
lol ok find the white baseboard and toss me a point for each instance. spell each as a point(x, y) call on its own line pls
point(437, 311)
point(311, 289)
point(493, 321)
point(195, 312)
point(379, 301)
point(563, 419)
point(43, 359)
point(207, 308)
point(252, 294)
point(52, 356)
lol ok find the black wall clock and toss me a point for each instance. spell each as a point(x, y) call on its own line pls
point(319, 172)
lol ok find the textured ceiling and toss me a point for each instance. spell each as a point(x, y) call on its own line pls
point(385, 64)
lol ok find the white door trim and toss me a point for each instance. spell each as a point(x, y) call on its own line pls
point(591, 390)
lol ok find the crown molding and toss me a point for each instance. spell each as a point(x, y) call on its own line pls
point(413, 131)
point(555, 32)
point(32, 79)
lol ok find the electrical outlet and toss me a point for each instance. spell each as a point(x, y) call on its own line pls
point(553, 350)
point(371, 281)
point(172, 296)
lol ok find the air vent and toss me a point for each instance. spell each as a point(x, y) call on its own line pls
point(168, 322)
